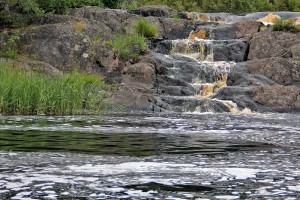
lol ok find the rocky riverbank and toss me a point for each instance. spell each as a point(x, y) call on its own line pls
point(198, 62)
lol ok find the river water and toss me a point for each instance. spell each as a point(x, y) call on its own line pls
point(151, 156)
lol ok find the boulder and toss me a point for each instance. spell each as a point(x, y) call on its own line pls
point(130, 97)
point(66, 46)
point(155, 11)
point(278, 97)
point(284, 71)
point(272, 44)
point(139, 72)
point(246, 29)
point(235, 51)
point(110, 18)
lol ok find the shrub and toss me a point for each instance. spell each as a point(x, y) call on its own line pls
point(11, 46)
point(129, 46)
point(285, 25)
point(29, 93)
point(146, 29)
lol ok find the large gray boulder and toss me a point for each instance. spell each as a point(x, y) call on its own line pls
point(278, 97)
point(273, 44)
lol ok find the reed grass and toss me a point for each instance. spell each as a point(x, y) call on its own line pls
point(28, 93)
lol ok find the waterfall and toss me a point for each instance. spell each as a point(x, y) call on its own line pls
point(197, 68)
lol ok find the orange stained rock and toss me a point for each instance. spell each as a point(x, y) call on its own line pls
point(208, 89)
point(222, 82)
point(204, 18)
point(190, 16)
point(297, 22)
point(269, 19)
point(201, 34)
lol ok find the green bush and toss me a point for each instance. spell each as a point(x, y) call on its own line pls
point(10, 46)
point(143, 27)
point(28, 93)
point(129, 46)
point(285, 25)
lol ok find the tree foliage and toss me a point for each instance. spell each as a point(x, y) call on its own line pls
point(231, 6)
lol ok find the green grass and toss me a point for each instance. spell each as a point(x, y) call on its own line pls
point(285, 25)
point(129, 46)
point(27, 93)
point(144, 28)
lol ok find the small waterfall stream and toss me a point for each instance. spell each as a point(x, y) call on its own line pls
point(203, 63)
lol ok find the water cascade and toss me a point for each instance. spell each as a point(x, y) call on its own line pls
point(201, 63)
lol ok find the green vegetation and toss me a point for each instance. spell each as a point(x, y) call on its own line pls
point(232, 6)
point(30, 93)
point(285, 25)
point(129, 46)
point(144, 28)
point(10, 46)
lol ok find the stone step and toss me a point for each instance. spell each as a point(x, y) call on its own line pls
point(206, 50)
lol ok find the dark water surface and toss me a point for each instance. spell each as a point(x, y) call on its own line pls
point(146, 156)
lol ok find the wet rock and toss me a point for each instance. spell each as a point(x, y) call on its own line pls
point(239, 30)
point(242, 96)
point(210, 50)
point(232, 52)
point(218, 32)
point(188, 104)
point(273, 44)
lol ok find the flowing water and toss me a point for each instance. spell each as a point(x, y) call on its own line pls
point(151, 156)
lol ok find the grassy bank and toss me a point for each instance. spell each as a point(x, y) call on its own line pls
point(28, 93)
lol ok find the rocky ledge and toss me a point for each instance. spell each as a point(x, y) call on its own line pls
point(239, 63)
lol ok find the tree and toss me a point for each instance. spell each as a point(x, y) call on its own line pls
point(294, 5)
point(280, 5)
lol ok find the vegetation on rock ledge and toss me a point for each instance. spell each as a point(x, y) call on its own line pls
point(130, 46)
point(285, 25)
point(144, 28)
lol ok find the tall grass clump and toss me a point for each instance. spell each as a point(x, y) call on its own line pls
point(144, 28)
point(129, 46)
point(28, 93)
point(285, 25)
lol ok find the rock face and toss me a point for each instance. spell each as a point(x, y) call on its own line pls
point(192, 66)
point(156, 11)
point(273, 44)
point(278, 97)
